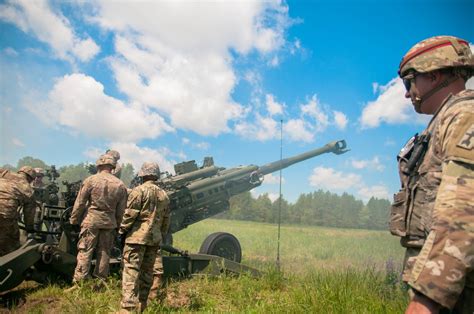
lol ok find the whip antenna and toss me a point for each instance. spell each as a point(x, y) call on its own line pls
point(279, 198)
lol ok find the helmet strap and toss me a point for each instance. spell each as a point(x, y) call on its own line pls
point(445, 83)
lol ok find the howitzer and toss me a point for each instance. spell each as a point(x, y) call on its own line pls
point(195, 194)
point(199, 193)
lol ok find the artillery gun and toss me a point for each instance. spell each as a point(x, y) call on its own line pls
point(195, 194)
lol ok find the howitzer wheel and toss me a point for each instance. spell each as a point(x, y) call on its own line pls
point(222, 244)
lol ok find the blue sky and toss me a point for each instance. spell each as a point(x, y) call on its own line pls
point(175, 81)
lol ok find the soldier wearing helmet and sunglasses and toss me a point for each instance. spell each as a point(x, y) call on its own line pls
point(145, 222)
point(433, 212)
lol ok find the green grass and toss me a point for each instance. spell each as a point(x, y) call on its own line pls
point(324, 270)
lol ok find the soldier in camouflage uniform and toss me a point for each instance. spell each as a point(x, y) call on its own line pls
point(98, 209)
point(116, 156)
point(144, 223)
point(15, 193)
point(433, 213)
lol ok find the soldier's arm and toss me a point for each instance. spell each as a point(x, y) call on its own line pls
point(131, 212)
point(122, 204)
point(29, 207)
point(80, 203)
point(448, 253)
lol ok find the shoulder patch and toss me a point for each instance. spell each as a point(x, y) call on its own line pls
point(467, 140)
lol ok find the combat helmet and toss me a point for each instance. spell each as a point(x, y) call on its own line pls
point(439, 52)
point(149, 169)
point(106, 160)
point(115, 154)
point(29, 171)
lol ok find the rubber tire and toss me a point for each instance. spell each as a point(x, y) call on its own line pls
point(222, 244)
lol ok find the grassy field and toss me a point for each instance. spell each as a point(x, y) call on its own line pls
point(324, 270)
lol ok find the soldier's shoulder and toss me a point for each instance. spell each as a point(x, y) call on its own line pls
point(461, 102)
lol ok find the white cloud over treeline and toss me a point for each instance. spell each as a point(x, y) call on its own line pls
point(333, 180)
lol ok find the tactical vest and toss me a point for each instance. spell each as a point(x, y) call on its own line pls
point(420, 164)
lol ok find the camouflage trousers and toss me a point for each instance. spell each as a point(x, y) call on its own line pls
point(157, 288)
point(137, 275)
point(465, 302)
point(93, 240)
point(9, 235)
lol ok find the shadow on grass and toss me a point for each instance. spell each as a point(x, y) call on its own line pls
point(17, 297)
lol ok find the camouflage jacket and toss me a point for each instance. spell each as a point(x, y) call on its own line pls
point(147, 216)
point(440, 204)
point(16, 194)
point(100, 202)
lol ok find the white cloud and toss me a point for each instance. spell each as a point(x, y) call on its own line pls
point(340, 120)
point(50, 27)
point(378, 191)
point(332, 180)
point(17, 142)
point(373, 164)
point(181, 65)
point(314, 110)
point(273, 107)
point(391, 107)
point(263, 129)
point(78, 101)
point(136, 155)
point(9, 51)
point(298, 130)
point(273, 179)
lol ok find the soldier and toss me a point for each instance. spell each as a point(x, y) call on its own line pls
point(144, 223)
point(116, 156)
point(434, 211)
point(15, 193)
point(38, 182)
point(98, 209)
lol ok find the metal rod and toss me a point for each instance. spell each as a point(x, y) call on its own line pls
point(279, 198)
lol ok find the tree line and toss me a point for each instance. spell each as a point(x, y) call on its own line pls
point(318, 208)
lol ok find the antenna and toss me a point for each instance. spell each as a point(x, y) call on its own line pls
point(279, 198)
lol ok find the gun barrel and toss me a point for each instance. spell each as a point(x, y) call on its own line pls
point(336, 147)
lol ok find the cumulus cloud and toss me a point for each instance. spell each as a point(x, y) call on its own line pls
point(377, 191)
point(368, 164)
point(273, 179)
point(390, 107)
point(78, 102)
point(330, 179)
point(264, 128)
point(273, 107)
point(298, 130)
point(136, 155)
point(169, 60)
point(38, 18)
point(314, 110)
point(340, 120)
point(314, 118)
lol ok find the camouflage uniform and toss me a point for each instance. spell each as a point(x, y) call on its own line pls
point(434, 211)
point(15, 193)
point(116, 156)
point(145, 220)
point(99, 207)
